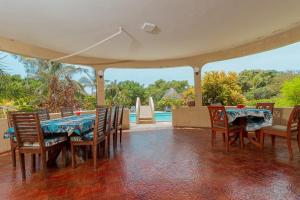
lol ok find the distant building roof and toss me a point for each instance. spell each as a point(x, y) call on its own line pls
point(171, 94)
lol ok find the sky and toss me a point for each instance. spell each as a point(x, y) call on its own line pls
point(281, 59)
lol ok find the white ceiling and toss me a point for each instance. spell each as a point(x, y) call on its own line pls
point(186, 27)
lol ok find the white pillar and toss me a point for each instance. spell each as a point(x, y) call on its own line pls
point(197, 86)
point(100, 87)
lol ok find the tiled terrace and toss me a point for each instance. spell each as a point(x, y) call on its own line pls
point(166, 164)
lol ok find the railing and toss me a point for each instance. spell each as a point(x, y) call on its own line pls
point(151, 104)
point(137, 109)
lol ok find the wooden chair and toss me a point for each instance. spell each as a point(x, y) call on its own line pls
point(293, 127)
point(30, 139)
point(95, 139)
point(13, 142)
point(66, 111)
point(219, 124)
point(265, 106)
point(114, 125)
point(120, 122)
point(43, 114)
point(108, 127)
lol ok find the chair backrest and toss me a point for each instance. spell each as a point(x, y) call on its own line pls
point(10, 122)
point(66, 111)
point(27, 128)
point(9, 119)
point(43, 114)
point(265, 106)
point(120, 116)
point(114, 117)
point(294, 119)
point(100, 125)
point(108, 114)
point(218, 117)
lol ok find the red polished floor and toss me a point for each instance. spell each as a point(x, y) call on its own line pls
point(166, 164)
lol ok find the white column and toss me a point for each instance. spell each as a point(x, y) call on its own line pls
point(197, 86)
point(100, 87)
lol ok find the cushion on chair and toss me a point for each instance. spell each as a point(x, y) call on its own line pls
point(48, 142)
point(276, 127)
point(87, 137)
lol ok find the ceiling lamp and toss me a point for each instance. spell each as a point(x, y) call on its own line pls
point(148, 27)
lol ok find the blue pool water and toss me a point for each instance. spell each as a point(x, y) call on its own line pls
point(159, 117)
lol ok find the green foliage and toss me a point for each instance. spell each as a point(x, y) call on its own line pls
point(291, 91)
point(169, 102)
point(219, 87)
point(58, 88)
point(158, 89)
point(124, 93)
point(188, 95)
point(262, 84)
point(88, 102)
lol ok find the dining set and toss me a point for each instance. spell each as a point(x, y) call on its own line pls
point(44, 139)
point(254, 124)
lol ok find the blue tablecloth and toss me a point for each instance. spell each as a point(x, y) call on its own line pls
point(255, 118)
point(71, 125)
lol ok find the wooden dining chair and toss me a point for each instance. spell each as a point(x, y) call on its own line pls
point(66, 111)
point(219, 124)
point(30, 140)
point(293, 127)
point(108, 128)
point(114, 125)
point(43, 114)
point(13, 142)
point(94, 139)
point(120, 122)
point(265, 106)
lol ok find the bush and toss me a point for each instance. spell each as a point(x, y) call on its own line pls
point(291, 91)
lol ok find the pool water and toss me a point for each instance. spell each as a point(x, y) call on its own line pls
point(159, 117)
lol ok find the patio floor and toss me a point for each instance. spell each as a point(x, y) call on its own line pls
point(166, 164)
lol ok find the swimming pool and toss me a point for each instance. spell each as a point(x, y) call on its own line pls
point(159, 117)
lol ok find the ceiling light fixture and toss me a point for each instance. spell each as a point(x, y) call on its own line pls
point(148, 27)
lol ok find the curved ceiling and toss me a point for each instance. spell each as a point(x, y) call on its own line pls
point(185, 28)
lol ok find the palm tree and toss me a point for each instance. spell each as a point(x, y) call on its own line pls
point(88, 80)
point(2, 64)
point(58, 88)
point(112, 92)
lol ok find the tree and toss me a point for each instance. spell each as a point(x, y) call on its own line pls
point(2, 64)
point(188, 95)
point(58, 88)
point(253, 79)
point(88, 80)
point(291, 91)
point(124, 93)
point(159, 87)
point(219, 87)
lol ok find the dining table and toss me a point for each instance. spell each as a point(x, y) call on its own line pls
point(252, 119)
point(76, 126)
point(67, 126)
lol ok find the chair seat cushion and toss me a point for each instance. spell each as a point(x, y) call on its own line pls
point(280, 128)
point(276, 127)
point(48, 142)
point(87, 137)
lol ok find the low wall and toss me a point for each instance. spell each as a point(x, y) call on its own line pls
point(199, 117)
point(5, 145)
